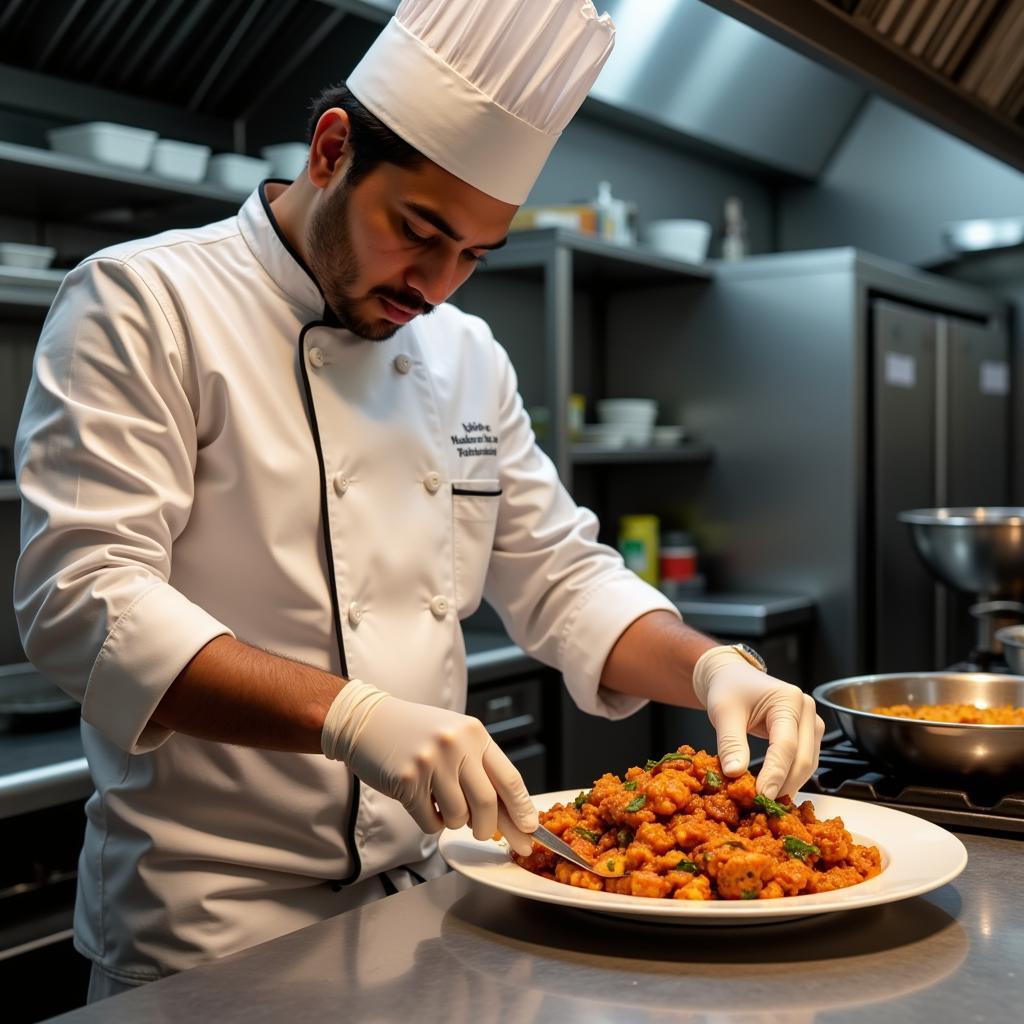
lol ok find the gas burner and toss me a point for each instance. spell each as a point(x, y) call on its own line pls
point(844, 771)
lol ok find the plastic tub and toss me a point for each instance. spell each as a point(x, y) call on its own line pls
point(237, 173)
point(181, 161)
point(29, 257)
point(105, 142)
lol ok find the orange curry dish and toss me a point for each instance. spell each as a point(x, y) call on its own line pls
point(962, 714)
point(684, 831)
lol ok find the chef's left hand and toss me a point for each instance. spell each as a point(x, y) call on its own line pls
point(740, 699)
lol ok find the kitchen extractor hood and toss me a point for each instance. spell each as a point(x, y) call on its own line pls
point(681, 71)
point(958, 65)
point(684, 66)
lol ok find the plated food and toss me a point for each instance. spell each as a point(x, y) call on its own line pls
point(685, 831)
point(963, 714)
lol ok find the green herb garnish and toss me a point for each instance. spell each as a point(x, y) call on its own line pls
point(686, 865)
point(629, 785)
point(748, 894)
point(581, 800)
point(798, 848)
point(636, 803)
point(625, 837)
point(713, 779)
point(772, 807)
point(610, 863)
point(668, 757)
point(594, 837)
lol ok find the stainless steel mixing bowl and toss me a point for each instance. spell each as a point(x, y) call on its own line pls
point(978, 550)
point(1012, 640)
point(914, 748)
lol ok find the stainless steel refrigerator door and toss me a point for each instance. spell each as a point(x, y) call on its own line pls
point(903, 469)
point(977, 470)
point(979, 414)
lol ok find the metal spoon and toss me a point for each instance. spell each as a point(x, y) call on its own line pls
point(548, 839)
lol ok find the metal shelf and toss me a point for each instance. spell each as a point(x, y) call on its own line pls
point(41, 184)
point(596, 454)
point(594, 261)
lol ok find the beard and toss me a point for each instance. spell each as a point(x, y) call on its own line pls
point(336, 268)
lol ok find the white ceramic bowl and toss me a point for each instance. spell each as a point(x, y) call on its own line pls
point(668, 436)
point(237, 173)
point(28, 257)
point(287, 159)
point(106, 142)
point(627, 410)
point(611, 435)
point(182, 161)
point(681, 239)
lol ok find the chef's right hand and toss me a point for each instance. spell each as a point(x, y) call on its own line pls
point(422, 756)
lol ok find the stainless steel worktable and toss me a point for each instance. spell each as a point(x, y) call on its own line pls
point(452, 952)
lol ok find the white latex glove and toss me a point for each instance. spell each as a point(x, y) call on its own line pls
point(424, 756)
point(739, 699)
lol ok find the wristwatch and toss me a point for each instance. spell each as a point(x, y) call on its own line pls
point(751, 656)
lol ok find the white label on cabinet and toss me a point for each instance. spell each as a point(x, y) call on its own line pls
point(994, 377)
point(900, 370)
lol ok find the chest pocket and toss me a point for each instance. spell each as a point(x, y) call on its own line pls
point(474, 517)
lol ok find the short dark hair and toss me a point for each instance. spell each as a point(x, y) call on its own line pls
point(373, 142)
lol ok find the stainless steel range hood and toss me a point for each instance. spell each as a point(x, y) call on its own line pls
point(682, 69)
point(690, 69)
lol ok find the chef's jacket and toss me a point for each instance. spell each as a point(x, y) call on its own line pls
point(204, 450)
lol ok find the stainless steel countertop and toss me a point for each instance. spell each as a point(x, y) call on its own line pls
point(451, 952)
point(47, 768)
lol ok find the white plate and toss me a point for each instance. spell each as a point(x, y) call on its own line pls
point(917, 857)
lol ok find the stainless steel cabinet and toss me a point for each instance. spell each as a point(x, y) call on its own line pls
point(941, 410)
point(903, 476)
point(837, 389)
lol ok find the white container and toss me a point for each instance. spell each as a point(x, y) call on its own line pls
point(29, 257)
point(237, 173)
point(634, 416)
point(668, 436)
point(287, 159)
point(182, 161)
point(627, 410)
point(681, 239)
point(115, 144)
point(608, 435)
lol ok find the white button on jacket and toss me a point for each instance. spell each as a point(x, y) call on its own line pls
point(170, 458)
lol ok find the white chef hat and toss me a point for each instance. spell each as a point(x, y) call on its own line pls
point(484, 87)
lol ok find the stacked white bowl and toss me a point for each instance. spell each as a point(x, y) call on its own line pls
point(631, 419)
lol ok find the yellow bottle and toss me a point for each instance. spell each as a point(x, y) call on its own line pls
point(638, 545)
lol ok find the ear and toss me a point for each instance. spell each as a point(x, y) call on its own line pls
point(330, 150)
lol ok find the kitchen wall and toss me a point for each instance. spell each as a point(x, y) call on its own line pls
point(892, 184)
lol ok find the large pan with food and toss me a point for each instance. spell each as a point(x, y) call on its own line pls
point(946, 748)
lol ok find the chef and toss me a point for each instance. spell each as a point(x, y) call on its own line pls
point(266, 470)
